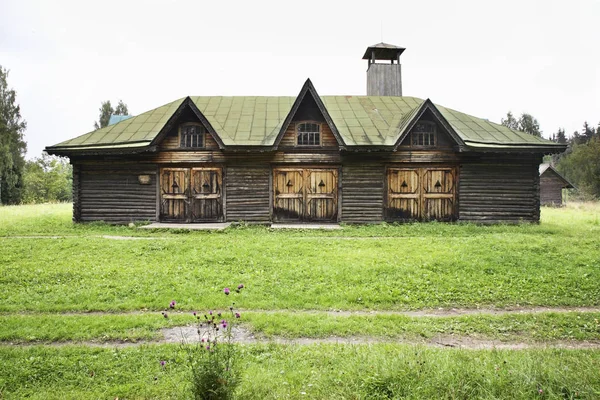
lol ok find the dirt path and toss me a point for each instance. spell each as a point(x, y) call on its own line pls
point(432, 312)
point(188, 335)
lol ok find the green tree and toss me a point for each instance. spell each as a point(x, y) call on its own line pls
point(525, 123)
point(47, 179)
point(582, 166)
point(560, 136)
point(510, 121)
point(12, 143)
point(106, 110)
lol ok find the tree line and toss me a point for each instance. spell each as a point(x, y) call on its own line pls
point(46, 178)
point(580, 163)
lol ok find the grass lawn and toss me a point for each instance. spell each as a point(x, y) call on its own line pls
point(54, 273)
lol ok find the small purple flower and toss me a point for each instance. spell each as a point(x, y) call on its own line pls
point(210, 312)
point(202, 340)
point(240, 286)
point(226, 291)
point(172, 304)
point(207, 347)
point(237, 315)
point(194, 313)
point(162, 363)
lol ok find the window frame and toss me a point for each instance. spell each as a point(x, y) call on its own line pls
point(297, 134)
point(431, 135)
point(201, 134)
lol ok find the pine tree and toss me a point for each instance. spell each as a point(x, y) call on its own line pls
point(12, 144)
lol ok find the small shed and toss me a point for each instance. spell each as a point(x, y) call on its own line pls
point(551, 185)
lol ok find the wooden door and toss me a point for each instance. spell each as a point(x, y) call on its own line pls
point(206, 198)
point(404, 191)
point(307, 194)
point(174, 190)
point(191, 194)
point(321, 194)
point(421, 194)
point(438, 194)
point(288, 199)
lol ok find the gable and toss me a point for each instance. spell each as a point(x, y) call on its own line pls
point(308, 111)
point(171, 139)
point(308, 103)
point(443, 139)
point(549, 174)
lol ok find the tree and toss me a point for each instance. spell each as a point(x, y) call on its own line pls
point(510, 121)
point(12, 143)
point(47, 179)
point(526, 123)
point(582, 166)
point(106, 110)
point(560, 136)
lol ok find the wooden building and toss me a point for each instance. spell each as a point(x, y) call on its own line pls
point(552, 184)
point(356, 159)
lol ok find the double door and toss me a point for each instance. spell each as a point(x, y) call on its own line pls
point(421, 194)
point(305, 194)
point(191, 194)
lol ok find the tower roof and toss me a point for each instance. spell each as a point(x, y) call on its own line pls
point(383, 51)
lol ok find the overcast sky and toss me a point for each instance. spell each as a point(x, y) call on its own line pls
point(479, 57)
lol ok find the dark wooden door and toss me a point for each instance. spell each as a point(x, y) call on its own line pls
point(421, 194)
point(307, 194)
point(206, 199)
point(174, 190)
point(191, 194)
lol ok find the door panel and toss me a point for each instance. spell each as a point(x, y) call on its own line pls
point(304, 194)
point(321, 195)
point(403, 194)
point(289, 194)
point(438, 194)
point(174, 188)
point(421, 194)
point(191, 194)
point(206, 196)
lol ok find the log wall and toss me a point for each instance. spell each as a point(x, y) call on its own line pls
point(362, 192)
point(248, 192)
point(111, 192)
point(551, 189)
point(495, 189)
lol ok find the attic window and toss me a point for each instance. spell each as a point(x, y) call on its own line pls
point(308, 134)
point(423, 134)
point(191, 135)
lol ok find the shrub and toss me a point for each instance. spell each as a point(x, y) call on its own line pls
point(212, 359)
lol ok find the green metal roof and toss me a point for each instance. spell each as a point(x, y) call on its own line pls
point(257, 121)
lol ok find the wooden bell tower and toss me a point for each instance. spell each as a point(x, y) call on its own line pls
point(384, 75)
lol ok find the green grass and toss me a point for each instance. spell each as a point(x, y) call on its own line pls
point(315, 372)
point(383, 267)
point(541, 327)
point(390, 267)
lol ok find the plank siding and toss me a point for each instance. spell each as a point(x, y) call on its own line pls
point(491, 192)
point(551, 187)
point(248, 193)
point(76, 195)
point(112, 193)
point(362, 193)
point(327, 139)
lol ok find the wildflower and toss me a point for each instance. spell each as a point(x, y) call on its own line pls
point(172, 304)
point(540, 391)
point(237, 315)
point(224, 324)
point(210, 312)
point(240, 286)
point(226, 291)
point(194, 313)
point(162, 363)
point(218, 314)
point(207, 347)
point(165, 314)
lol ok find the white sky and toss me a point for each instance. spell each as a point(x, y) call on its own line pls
point(479, 57)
